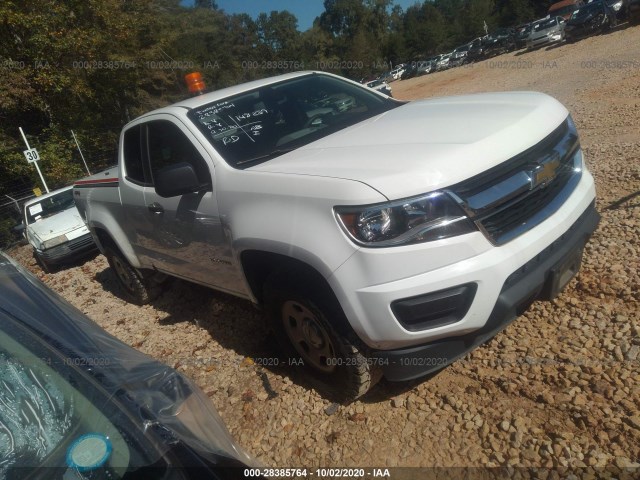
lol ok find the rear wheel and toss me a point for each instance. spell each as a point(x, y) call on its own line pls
point(136, 288)
point(309, 325)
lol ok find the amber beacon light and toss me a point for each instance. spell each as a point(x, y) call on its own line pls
point(195, 84)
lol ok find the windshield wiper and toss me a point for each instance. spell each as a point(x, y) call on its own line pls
point(273, 154)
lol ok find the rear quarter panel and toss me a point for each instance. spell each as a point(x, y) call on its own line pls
point(99, 203)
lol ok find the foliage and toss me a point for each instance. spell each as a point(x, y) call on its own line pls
point(92, 65)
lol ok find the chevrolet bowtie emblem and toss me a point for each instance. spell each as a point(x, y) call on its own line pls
point(545, 171)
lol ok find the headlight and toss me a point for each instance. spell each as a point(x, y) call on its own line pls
point(403, 222)
point(617, 6)
point(52, 242)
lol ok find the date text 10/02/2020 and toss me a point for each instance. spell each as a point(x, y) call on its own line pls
point(318, 472)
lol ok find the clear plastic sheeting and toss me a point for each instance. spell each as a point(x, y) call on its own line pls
point(64, 379)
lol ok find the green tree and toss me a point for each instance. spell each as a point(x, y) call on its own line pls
point(512, 12)
point(343, 18)
point(476, 13)
point(210, 4)
point(278, 33)
point(425, 30)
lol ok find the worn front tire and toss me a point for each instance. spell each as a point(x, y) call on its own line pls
point(136, 288)
point(309, 324)
point(46, 268)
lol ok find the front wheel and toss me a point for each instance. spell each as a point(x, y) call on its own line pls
point(306, 321)
point(136, 288)
point(46, 268)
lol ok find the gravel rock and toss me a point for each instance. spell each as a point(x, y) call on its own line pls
point(331, 409)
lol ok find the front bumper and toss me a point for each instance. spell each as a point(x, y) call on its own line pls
point(372, 280)
point(533, 280)
point(70, 250)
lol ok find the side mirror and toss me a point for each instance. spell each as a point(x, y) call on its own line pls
point(19, 228)
point(175, 180)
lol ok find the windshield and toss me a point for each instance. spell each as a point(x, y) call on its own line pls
point(525, 30)
point(49, 206)
point(545, 24)
point(501, 32)
point(564, 10)
point(589, 8)
point(261, 124)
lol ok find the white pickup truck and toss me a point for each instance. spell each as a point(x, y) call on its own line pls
point(388, 238)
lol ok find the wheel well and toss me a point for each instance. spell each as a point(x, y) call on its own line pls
point(258, 266)
point(105, 239)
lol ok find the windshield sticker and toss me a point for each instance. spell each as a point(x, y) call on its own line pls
point(35, 209)
point(214, 109)
point(228, 128)
point(89, 452)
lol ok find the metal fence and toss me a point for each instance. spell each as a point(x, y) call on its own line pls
point(10, 215)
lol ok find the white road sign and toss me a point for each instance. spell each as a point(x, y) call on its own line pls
point(31, 155)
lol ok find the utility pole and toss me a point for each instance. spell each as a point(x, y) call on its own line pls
point(78, 145)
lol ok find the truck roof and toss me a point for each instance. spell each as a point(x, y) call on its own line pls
point(199, 100)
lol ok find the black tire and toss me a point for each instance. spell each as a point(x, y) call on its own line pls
point(309, 324)
point(136, 288)
point(46, 268)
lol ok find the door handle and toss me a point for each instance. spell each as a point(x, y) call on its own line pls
point(155, 207)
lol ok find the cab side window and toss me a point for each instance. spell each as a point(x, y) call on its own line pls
point(133, 166)
point(169, 146)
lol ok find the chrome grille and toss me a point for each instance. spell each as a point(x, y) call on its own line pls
point(522, 192)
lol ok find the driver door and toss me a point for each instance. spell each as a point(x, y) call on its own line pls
point(188, 238)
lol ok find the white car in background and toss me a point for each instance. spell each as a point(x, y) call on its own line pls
point(426, 66)
point(545, 32)
point(54, 228)
point(397, 72)
point(442, 61)
point(380, 86)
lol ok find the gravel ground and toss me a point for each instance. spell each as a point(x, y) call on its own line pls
point(559, 387)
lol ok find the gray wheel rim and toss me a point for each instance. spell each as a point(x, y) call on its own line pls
point(123, 274)
point(308, 336)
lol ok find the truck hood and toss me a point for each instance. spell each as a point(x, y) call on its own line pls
point(58, 224)
point(427, 145)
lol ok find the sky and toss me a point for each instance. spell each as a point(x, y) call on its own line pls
point(305, 10)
